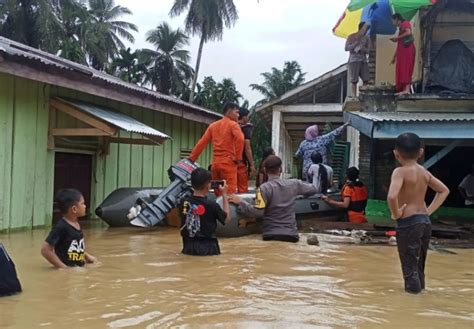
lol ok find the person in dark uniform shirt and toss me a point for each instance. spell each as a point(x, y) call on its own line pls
point(246, 167)
point(275, 202)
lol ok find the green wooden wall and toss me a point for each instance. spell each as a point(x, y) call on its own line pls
point(27, 167)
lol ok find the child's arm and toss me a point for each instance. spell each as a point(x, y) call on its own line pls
point(89, 258)
point(441, 190)
point(48, 252)
point(225, 201)
point(340, 204)
point(396, 184)
point(225, 207)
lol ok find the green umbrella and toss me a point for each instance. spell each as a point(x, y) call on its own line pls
point(358, 4)
point(406, 8)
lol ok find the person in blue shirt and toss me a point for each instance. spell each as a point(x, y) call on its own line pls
point(315, 143)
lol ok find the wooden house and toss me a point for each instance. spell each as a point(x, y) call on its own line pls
point(63, 124)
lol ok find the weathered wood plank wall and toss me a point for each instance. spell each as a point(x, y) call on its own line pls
point(27, 167)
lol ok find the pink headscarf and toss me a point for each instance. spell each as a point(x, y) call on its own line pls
point(311, 132)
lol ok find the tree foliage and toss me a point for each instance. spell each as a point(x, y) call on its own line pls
point(168, 68)
point(276, 83)
point(85, 32)
point(206, 19)
point(213, 95)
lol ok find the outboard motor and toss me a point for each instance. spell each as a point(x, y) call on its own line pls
point(145, 214)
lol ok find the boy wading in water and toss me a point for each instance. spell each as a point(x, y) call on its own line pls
point(406, 200)
point(64, 245)
point(199, 216)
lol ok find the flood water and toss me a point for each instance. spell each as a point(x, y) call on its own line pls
point(142, 281)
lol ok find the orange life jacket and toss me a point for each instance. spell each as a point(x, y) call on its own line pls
point(358, 194)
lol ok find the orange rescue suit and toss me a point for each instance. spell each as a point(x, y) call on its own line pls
point(227, 148)
point(359, 195)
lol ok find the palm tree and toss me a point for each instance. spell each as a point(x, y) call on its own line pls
point(206, 94)
point(109, 30)
point(128, 66)
point(213, 95)
point(169, 71)
point(31, 22)
point(76, 37)
point(277, 82)
point(205, 18)
point(227, 91)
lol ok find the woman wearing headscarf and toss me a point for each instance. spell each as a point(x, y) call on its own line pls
point(405, 54)
point(313, 142)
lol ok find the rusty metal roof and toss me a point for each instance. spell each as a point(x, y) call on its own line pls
point(17, 49)
point(119, 120)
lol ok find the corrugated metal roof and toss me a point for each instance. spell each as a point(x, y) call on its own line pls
point(119, 120)
point(414, 116)
point(386, 125)
point(17, 49)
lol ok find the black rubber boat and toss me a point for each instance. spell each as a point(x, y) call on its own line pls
point(115, 209)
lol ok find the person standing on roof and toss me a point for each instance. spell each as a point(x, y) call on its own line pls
point(358, 46)
point(227, 145)
point(405, 55)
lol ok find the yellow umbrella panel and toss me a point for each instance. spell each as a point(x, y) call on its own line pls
point(348, 23)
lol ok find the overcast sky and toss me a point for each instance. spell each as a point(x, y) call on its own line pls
point(268, 33)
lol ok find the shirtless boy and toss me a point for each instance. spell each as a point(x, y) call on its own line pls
point(406, 200)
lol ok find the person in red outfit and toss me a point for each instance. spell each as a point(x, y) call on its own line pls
point(227, 146)
point(404, 56)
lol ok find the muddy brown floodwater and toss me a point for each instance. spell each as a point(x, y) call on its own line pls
point(142, 281)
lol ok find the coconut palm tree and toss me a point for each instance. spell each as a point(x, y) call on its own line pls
point(213, 95)
point(31, 22)
point(109, 31)
point(76, 36)
point(277, 82)
point(227, 91)
point(207, 19)
point(128, 66)
point(169, 71)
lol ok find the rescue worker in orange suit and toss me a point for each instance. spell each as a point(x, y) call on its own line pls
point(246, 167)
point(354, 197)
point(227, 145)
